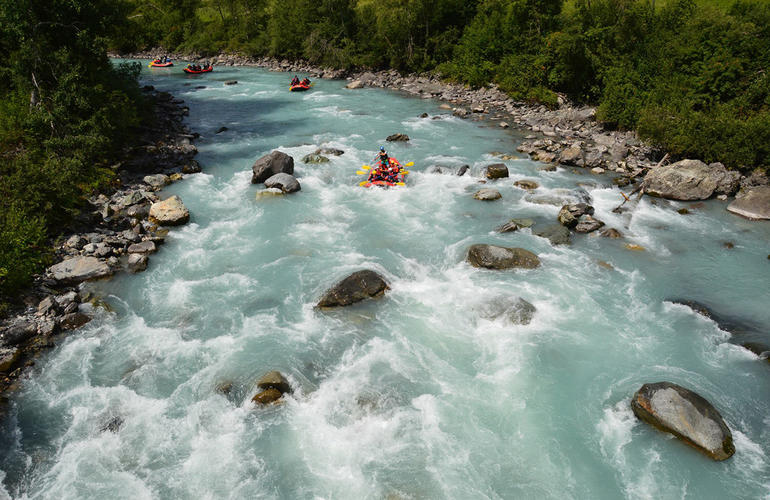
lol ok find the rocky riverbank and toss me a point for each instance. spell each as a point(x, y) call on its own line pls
point(116, 233)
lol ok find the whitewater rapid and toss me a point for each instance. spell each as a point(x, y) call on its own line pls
point(416, 395)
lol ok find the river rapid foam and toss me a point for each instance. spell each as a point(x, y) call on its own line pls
point(419, 394)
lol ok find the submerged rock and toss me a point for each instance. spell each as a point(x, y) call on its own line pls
point(611, 232)
point(79, 269)
point(276, 162)
point(515, 310)
point(285, 182)
point(690, 180)
point(560, 197)
point(487, 194)
point(686, 415)
point(315, 158)
point(266, 397)
point(329, 151)
point(556, 234)
point(588, 224)
point(526, 184)
point(496, 257)
point(355, 288)
point(169, 212)
point(753, 203)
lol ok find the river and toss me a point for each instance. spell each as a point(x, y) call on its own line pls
point(417, 395)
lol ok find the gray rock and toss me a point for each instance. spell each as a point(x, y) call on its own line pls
point(8, 358)
point(559, 197)
point(271, 164)
point(315, 158)
point(143, 247)
point(556, 234)
point(169, 212)
point(138, 211)
point(137, 262)
point(588, 224)
point(397, 138)
point(285, 182)
point(355, 84)
point(329, 151)
point(231, 82)
point(496, 171)
point(462, 170)
point(611, 232)
point(73, 320)
point(65, 299)
point(516, 311)
point(355, 288)
point(508, 227)
point(17, 331)
point(527, 184)
point(75, 241)
point(79, 269)
point(689, 180)
point(157, 180)
point(571, 156)
point(569, 214)
point(496, 257)
point(685, 414)
point(46, 305)
point(753, 203)
point(487, 194)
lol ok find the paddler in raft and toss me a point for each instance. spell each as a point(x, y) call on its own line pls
point(294, 81)
point(387, 170)
point(305, 81)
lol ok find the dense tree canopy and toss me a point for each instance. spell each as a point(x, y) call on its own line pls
point(66, 110)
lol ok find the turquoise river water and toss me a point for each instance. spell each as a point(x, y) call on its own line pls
point(418, 395)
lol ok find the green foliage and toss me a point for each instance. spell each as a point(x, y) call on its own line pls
point(66, 112)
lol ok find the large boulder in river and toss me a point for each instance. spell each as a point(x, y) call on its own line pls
point(79, 269)
point(397, 138)
point(496, 171)
point(169, 212)
point(752, 203)
point(271, 164)
point(355, 288)
point(285, 182)
point(556, 234)
point(571, 213)
point(690, 180)
point(686, 415)
point(495, 257)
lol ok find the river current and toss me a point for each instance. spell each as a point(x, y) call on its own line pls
point(418, 395)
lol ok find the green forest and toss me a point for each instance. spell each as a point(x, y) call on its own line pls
point(690, 76)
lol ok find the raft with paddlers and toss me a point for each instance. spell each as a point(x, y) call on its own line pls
point(159, 63)
point(299, 86)
point(391, 174)
point(196, 70)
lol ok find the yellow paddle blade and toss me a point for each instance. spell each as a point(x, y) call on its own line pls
point(404, 172)
point(400, 184)
point(362, 183)
point(410, 164)
point(365, 167)
point(361, 172)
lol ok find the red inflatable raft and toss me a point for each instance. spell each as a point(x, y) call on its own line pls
point(299, 88)
point(207, 69)
point(156, 64)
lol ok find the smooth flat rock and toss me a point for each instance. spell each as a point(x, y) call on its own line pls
point(142, 247)
point(555, 233)
point(157, 180)
point(496, 257)
point(267, 166)
point(753, 203)
point(685, 414)
point(355, 288)
point(137, 262)
point(690, 180)
point(169, 212)
point(285, 182)
point(79, 269)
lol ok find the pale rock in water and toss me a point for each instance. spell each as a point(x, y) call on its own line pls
point(285, 182)
point(752, 203)
point(487, 194)
point(169, 212)
point(690, 180)
point(686, 415)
